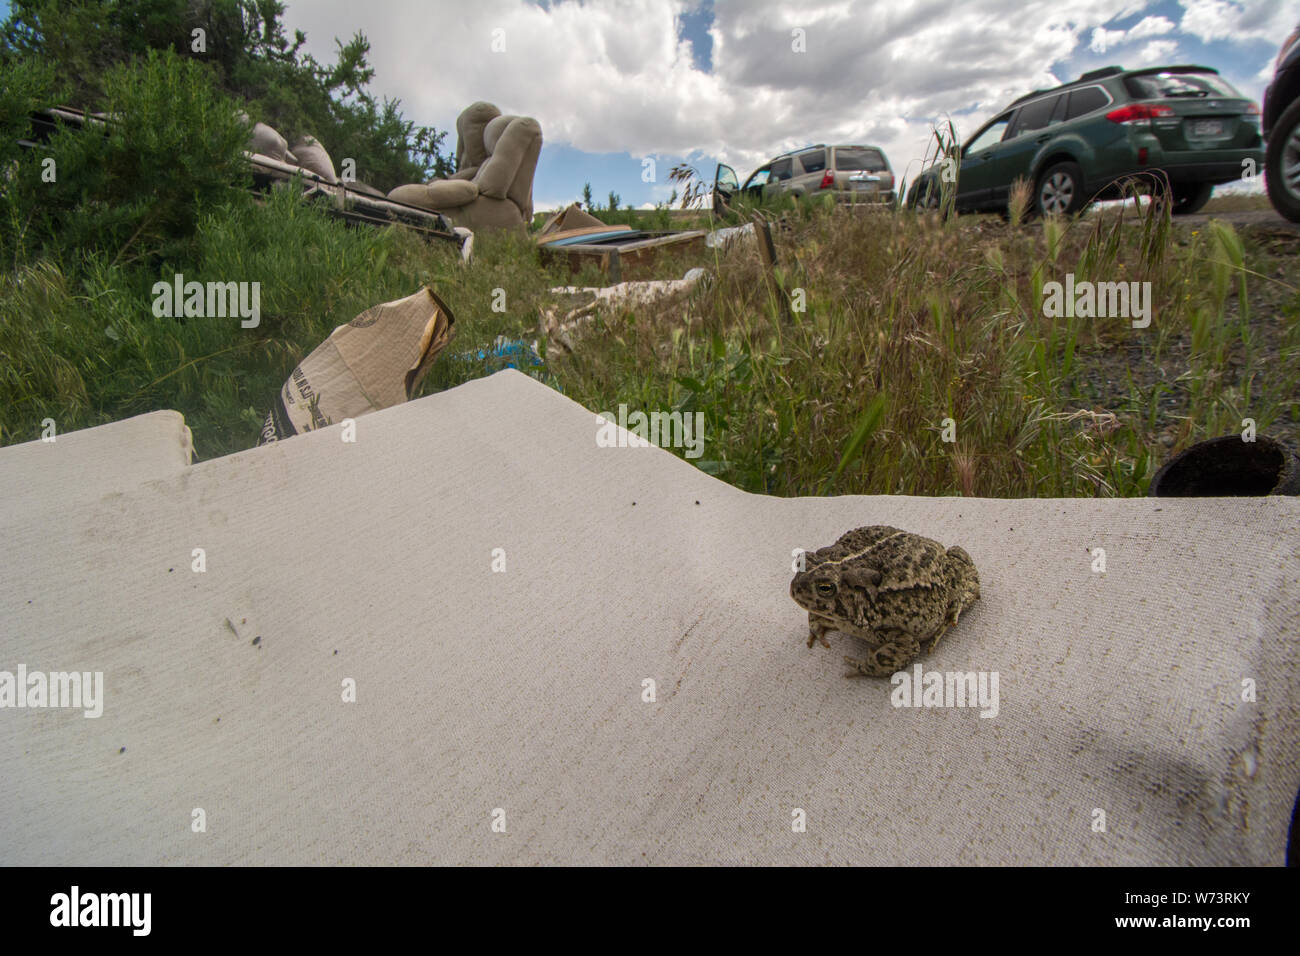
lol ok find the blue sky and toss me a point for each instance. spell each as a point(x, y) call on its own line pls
point(615, 81)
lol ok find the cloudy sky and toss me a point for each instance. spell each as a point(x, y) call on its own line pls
point(612, 82)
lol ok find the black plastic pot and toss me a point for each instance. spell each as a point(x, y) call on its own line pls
point(1229, 467)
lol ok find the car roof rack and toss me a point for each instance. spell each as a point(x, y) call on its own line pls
point(1182, 68)
point(1030, 95)
point(1106, 71)
point(1088, 77)
point(1101, 74)
point(799, 150)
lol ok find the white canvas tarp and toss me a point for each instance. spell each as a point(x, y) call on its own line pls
point(87, 464)
point(519, 696)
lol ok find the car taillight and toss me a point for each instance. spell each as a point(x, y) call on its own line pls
point(1252, 109)
point(828, 180)
point(1138, 114)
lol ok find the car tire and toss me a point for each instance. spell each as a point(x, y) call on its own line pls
point(1190, 198)
point(1283, 153)
point(1059, 190)
point(924, 194)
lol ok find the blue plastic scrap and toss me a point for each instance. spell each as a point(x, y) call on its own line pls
point(504, 353)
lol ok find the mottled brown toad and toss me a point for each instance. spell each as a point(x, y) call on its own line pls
point(893, 589)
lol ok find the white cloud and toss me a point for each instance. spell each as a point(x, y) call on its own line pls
point(1157, 51)
point(1238, 20)
point(1149, 27)
point(1103, 39)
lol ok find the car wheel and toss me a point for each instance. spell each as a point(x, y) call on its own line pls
point(1059, 190)
point(1282, 163)
point(1190, 198)
point(924, 195)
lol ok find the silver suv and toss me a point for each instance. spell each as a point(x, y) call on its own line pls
point(853, 174)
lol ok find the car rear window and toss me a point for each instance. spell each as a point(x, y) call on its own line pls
point(860, 159)
point(1154, 86)
point(813, 161)
point(1085, 101)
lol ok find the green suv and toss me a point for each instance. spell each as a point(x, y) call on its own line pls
point(1077, 143)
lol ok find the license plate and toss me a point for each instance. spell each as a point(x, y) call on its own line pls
point(1207, 128)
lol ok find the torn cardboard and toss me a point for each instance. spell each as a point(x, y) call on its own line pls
point(375, 361)
point(572, 221)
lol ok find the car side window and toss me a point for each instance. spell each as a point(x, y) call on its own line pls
point(1058, 114)
point(1085, 101)
point(1035, 116)
point(990, 135)
point(813, 161)
point(781, 170)
point(758, 178)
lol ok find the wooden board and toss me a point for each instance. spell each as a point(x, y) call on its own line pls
point(620, 261)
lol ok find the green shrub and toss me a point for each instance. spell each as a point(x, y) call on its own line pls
point(132, 188)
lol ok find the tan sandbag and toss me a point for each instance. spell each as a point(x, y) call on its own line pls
point(439, 195)
point(375, 361)
point(492, 187)
point(470, 151)
point(269, 142)
point(514, 142)
point(313, 157)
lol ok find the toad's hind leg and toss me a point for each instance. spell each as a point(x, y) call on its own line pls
point(965, 583)
point(965, 588)
point(943, 628)
point(889, 658)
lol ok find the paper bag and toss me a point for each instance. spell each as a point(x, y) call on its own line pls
point(375, 361)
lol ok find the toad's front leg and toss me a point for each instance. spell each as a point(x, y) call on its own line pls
point(817, 628)
point(887, 659)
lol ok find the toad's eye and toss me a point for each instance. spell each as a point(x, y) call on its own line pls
point(825, 588)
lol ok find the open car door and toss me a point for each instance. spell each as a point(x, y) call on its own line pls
point(725, 185)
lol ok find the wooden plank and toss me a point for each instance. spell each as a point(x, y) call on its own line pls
point(767, 256)
point(625, 259)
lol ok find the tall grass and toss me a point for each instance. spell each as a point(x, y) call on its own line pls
point(917, 359)
point(924, 331)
